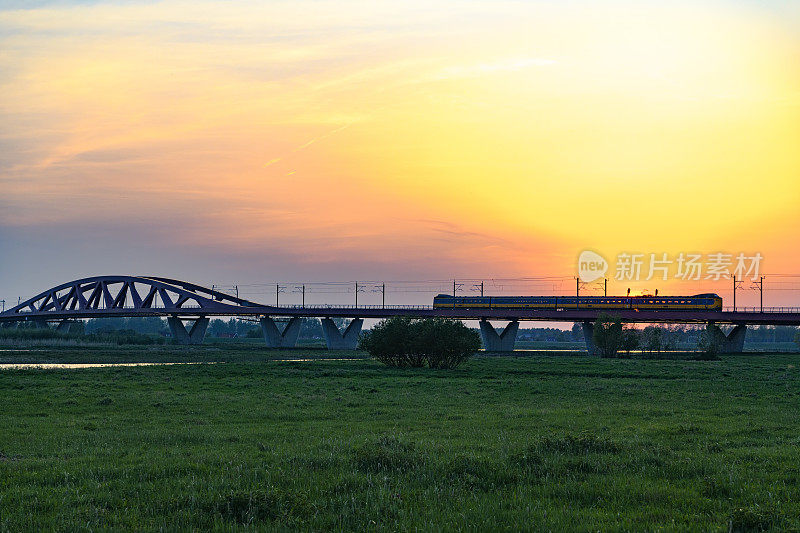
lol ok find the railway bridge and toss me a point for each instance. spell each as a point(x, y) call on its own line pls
point(187, 308)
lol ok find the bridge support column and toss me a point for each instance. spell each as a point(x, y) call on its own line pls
point(499, 342)
point(277, 339)
point(63, 326)
point(733, 342)
point(588, 338)
point(337, 340)
point(194, 335)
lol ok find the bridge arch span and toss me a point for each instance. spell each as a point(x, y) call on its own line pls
point(127, 296)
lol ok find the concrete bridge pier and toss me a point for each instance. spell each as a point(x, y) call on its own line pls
point(63, 326)
point(588, 338)
point(499, 342)
point(733, 342)
point(336, 340)
point(194, 335)
point(276, 338)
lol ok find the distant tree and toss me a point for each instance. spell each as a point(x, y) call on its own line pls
point(217, 328)
point(311, 329)
point(233, 327)
point(711, 340)
point(406, 342)
point(577, 332)
point(670, 341)
point(652, 339)
point(630, 340)
point(608, 334)
point(137, 324)
point(77, 328)
point(797, 338)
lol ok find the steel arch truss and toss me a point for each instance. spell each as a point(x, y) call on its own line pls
point(127, 296)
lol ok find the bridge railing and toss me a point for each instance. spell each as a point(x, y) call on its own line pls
point(336, 306)
point(758, 309)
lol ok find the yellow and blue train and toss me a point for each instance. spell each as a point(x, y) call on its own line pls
point(698, 302)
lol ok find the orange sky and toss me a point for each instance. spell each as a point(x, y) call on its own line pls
point(332, 141)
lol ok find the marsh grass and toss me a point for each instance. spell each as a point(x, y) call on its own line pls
point(501, 443)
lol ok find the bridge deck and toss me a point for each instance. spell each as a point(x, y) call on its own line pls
point(546, 315)
point(136, 296)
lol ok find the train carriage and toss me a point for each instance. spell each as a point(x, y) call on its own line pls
point(706, 302)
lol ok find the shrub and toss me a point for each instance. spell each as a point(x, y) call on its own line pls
point(630, 340)
point(391, 343)
point(608, 335)
point(406, 342)
point(711, 341)
point(445, 343)
point(652, 339)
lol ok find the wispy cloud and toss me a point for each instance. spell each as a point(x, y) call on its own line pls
point(307, 144)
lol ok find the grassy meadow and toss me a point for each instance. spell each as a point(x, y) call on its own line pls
point(501, 443)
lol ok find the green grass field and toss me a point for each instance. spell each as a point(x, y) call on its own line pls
point(531, 443)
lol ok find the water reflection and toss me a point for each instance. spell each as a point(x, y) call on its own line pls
point(44, 366)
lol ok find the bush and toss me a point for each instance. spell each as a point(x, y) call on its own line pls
point(630, 340)
point(652, 339)
point(608, 336)
point(406, 342)
point(391, 343)
point(711, 341)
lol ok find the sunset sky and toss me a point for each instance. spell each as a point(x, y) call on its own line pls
point(255, 142)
